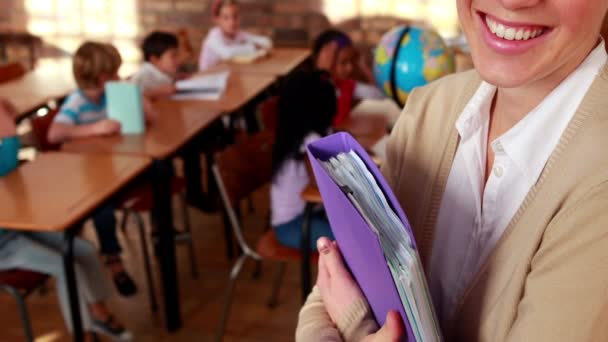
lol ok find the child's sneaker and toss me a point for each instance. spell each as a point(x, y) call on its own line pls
point(112, 329)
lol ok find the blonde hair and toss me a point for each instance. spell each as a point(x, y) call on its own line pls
point(93, 60)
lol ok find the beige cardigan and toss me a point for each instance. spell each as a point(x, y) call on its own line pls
point(547, 278)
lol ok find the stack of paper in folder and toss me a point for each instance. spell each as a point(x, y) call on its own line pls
point(202, 87)
point(373, 234)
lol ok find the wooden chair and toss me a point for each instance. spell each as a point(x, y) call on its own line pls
point(136, 201)
point(269, 112)
point(11, 71)
point(20, 284)
point(239, 171)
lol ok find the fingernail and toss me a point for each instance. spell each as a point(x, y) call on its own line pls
point(323, 246)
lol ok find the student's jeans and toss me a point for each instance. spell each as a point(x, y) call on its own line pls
point(290, 233)
point(105, 227)
point(41, 252)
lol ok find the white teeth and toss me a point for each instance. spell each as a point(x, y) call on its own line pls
point(500, 30)
point(511, 33)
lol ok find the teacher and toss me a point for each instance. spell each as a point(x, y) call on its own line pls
point(503, 174)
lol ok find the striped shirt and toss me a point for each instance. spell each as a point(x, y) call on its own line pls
point(79, 110)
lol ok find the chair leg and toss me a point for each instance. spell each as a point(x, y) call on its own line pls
point(148, 268)
point(228, 236)
point(276, 286)
point(234, 274)
point(188, 229)
point(257, 271)
point(124, 220)
point(25, 318)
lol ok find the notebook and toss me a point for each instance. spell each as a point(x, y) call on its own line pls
point(374, 235)
point(124, 102)
point(202, 87)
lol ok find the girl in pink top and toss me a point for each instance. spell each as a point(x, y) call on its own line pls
point(226, 40)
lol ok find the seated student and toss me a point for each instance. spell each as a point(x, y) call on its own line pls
point(226, 40)
point(334, 52)
point(307, 105)
point(83, 115)
point(157, 74)
point(41, 252)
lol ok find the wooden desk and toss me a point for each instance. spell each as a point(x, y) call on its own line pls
point(368, 129)
point(280, 62)
point(242, 88)
point(176, 126)
point(51, 79)
point(57, 192)
point(177, 123)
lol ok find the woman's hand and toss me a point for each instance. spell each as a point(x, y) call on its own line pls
point(339, 291)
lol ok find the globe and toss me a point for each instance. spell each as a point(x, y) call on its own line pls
point(408, 57)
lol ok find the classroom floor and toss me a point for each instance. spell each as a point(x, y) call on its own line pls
point(202, 298)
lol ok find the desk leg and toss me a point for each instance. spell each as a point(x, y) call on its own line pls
point(163, 218)
point(305, 249)
point(70, 276)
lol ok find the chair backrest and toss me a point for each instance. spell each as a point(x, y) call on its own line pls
point(269, 113)
point(246, 166)
point(11, 71)
point(40, 129)
point(239, 170)
point(22, 280)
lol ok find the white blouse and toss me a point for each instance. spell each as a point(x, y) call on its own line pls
point(472, 219)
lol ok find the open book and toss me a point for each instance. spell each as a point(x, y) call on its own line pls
point(202, 87)
point(373, 234)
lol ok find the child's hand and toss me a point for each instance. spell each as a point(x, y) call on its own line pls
point(327, 56)
point(106, 127)
point(166, 89)
point(365, 67)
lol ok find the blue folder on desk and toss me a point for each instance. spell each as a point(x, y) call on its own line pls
point(364, 251)
point(124, 102)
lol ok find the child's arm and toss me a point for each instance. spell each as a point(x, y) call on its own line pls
point(7, 121)
point(216, 43)
point(261, 42)
point(161, 91)
point(60, 132)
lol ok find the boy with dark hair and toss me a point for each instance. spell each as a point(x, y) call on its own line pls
point(157, 74)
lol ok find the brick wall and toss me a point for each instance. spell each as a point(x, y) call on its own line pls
point(289, 22)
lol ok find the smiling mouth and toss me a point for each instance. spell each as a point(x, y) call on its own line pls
point(513, 32)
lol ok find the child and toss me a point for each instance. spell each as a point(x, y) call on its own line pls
point(334, 52)
point(83, 115)
point(226, 40)
point(160, 68)
point(41, 252)
point(307, 105)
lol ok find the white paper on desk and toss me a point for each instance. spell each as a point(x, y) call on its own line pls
point(203, 87)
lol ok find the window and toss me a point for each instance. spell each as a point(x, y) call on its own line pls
point(67, 23)
point(440, 13)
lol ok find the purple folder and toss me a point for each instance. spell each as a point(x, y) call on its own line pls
point(359, 245)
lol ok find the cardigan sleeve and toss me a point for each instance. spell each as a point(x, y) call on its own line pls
point(314, 323)
point(566, 292)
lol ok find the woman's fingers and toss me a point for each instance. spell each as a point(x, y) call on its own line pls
point(391, 331)
point(332, 259)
